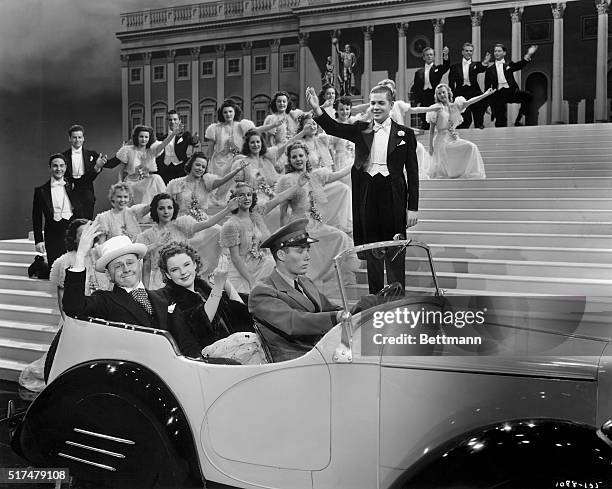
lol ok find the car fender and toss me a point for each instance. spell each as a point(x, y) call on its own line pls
point(52, 418)
point(517, 453)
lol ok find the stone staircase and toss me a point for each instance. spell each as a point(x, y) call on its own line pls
point(540, 224)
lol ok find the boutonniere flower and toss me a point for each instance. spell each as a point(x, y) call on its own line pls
point(171, 308)
point(401, 134)
point(179, 140)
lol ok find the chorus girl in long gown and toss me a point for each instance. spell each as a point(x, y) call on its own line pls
point(227, 135)
point(121, 219)
point(168, 227)
point(138, 160)
point(335, 202)
point(243, 233)
point(327, 99)
point(284, 118)
point(452, 157)
point(342, 150)
point(305, 203)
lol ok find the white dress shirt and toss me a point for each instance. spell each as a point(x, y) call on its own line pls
point(378, 153)
point(62, 208)
point(78, 168)
point(139, 285)
point(170, 157)
point(466, 72)
point(427, 83)
point(501, 78)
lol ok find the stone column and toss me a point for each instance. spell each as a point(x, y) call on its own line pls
point(438, 25)
point(516, 15)
point(601, 74)
point(274, 71)
point(195, 90)
point(170, 76)
point(147, 87)
point(246, 79)
point(335, 37)
point(557, 72)
point(400, 83)
point(220, 48)
point(303, 40)
point(125, 122)
point(476, 19)
point(368, 30)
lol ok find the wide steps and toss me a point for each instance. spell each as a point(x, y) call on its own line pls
point(510, 214)
point(21, 351)
point(527, 173)
point(28, 330)
point(516, 226)
point(547, 181)
point(587, 206)
point(39, 298)
point(46, 315)
point(10, 369)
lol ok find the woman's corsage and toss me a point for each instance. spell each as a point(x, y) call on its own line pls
point(314, 211)
point(255, 250)
point(452, 131)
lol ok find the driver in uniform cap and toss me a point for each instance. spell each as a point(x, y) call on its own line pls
point(292, 313)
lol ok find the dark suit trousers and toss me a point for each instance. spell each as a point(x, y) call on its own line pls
point(170, 172)
point(473, 112)
point(86, 198)
point(378, 220)
point(426, 99)
point(55, 234)
point(510, 95)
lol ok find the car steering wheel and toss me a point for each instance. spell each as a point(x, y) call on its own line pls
point(390, 291)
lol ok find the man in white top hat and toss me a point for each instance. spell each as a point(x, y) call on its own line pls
point(128, 302)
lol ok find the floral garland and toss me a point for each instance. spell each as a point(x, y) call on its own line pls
point(314, 211)
point(195, 210)
point(266, 189)
point(452, 130)
point(255, 250)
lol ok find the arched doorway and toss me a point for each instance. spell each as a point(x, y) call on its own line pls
point(537, 84)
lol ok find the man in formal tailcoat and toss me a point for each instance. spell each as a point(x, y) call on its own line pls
point(385, 199)
point(82, 167)
point(463, 82)
point(500, 76)
point(292, 313)
point(427, 78)
point(55, 203)
point(171, 162)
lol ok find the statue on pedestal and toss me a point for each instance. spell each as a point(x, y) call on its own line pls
point(348, 60)
point(328, 76)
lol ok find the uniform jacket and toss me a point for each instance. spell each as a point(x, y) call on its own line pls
point(292, 323)
point(401, 155)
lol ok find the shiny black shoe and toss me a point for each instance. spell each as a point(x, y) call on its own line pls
point(518, 124)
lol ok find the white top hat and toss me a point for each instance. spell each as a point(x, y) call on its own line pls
point(118, 246)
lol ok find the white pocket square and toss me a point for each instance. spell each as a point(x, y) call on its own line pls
point(91, 158)
point(179, 140)
point(402, 142)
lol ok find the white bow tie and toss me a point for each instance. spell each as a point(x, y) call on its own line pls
point(500, 62)
point(58, 183)
point(79, 151)
point(384, 125)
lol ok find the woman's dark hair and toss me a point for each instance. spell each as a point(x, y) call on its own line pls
point(245, 146)
point(233, 105)
point(302, 118)
point(176, 248)
point(281, 93)
point(344, 101)
point(233, 193)
point(297, 145)
point(138, 129)
point(322, 93)
point(191, 161)
point(71, 232)
point(155, 202)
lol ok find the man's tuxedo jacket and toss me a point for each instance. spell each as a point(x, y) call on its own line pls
point(491, 80)
point(455, 76)
point(181, 143)
point(401, 155)
point(42, 207)
point(435, 75)
point(89, 175)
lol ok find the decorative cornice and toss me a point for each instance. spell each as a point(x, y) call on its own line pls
point(476, 18)
point(275, 45)
point(516, 14)
point(438, 25)
point(195, 53)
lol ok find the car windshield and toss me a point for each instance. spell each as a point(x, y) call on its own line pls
point(355, 286)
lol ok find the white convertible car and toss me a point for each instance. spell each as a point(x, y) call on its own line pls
point(126, 409)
